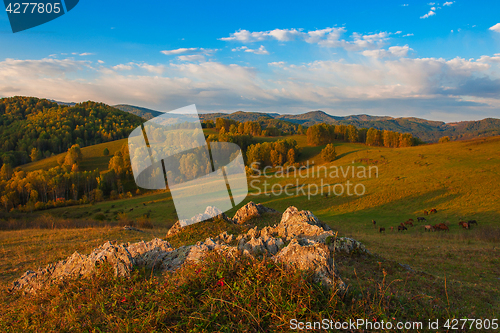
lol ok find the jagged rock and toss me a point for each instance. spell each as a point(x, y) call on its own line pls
point(175, 229)
point(312, 246)
point(348, 246)
point(77, 265)
point(224, 238)
point(149, 254)
point(295, 223)
point(251, 210)
point(313, 256)
point(193, 253)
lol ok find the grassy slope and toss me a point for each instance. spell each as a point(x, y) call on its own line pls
point(460, 179)
point(93, 158)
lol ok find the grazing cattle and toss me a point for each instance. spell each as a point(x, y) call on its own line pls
point(464, 224)
point(409, 223)
point(433, 211)
point(429, 228)
point(374, 222)
point(401, 228)
point(131, 209)
point(420, 219)
point(392, 228)
point(381, 229)
point(441, 226)
point(472, 222)
point(426, 213)
point(411, 220)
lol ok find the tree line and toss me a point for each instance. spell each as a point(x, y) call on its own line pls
point(65, 184)
point(32, 128)
point(322, 134)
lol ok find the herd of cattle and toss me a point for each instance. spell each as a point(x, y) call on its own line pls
point(427, 227)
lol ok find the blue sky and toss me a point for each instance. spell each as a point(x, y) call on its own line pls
point(438, 61)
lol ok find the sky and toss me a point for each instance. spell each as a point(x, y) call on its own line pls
point(432, 60)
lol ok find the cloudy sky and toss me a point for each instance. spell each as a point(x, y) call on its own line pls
point(434, 60)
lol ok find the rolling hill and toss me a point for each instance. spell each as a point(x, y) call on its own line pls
point(426, 130)
point(33, 128)
point(138, 111)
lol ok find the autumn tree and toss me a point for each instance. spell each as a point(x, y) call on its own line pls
point(320, 134)
point(35, 155)
point(444, 139)
point(328, 153)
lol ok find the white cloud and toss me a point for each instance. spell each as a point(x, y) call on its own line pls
point(192, 57)
point(391, 86)
point(429, 14)
point(328, 37)
point(85, 54)
point(100, 61)
point(180, 51)
point(496, 27)
point(122, 67)
point(405, 5)
point(277, 63)
point(393, 51)
point(448, 3)
point(408, 35)
point(191, 50)
point(260, 50)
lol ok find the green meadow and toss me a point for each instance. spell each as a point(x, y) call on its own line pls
point(458, 270)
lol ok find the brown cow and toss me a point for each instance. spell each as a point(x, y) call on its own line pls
point(374, 222)
point(433, 211)
point(409, 223)
point(411, 220)
point(381, 229)
point(441, 226)
point(426, 212)
point(402, 228)
point(429, 228)
point(464, 224)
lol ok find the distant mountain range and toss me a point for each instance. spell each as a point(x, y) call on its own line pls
point(138, 111)
point(426, 130)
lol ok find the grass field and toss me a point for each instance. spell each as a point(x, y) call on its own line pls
point(93, 158)
point(459, 179)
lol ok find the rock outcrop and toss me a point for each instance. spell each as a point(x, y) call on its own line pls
point(300, 240)
point(251, 210)
point(78, 265)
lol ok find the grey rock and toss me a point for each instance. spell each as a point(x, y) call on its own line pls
point(251, 210)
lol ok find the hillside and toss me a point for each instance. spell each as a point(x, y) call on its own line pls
point(412, 274)
point(138, 111)
point(93, 158)
point(32, 128)
point(425, 130)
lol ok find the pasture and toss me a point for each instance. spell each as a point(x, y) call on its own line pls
point(458, 179)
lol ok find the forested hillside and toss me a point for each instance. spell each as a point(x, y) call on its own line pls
point(32, 128)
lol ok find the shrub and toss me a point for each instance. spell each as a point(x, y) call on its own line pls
point(105, 152)
point(144, 222)
point(99, 217)
point(328, 153)
point(444, 139)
